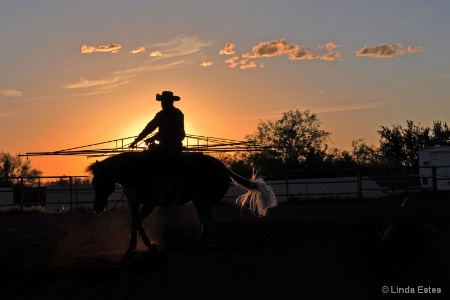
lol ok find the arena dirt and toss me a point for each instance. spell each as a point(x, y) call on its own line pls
point(307, 250)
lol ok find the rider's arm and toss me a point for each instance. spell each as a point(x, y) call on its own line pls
point(151, 126)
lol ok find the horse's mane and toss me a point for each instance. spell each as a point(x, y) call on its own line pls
point(118, 161)
point(91, 168)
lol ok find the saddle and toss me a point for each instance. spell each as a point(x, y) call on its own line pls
point(170, 170)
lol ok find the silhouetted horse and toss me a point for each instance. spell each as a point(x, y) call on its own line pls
point(410, 247)
point(148, 182)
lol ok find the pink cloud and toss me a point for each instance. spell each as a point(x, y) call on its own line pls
point(113, 48)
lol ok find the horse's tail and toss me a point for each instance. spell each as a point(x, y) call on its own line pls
point(259, 196)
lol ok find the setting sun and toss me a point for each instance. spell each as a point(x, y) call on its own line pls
point(96, 83)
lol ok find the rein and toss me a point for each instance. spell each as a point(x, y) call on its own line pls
point(117, 202)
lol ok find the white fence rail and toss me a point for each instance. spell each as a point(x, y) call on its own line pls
point(81, 196)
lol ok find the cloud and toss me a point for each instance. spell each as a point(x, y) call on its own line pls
point(387, 50)
point(206, 64)
point(280, 47)
point(232, 62)
point(113, 48)
point(243, 63)
point(269, 49)
point(249, 65)
point(137, 50)
point(228, 50)
point(302, 53)
point(330, 46)
point(332, 53)
point(157, 53)
point(11, 93)
point(415, 49)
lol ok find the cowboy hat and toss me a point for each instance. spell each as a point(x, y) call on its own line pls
point(167, 95)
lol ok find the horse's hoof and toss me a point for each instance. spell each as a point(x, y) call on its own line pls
point(127, 257)
point(153, 248)
point(199, 246)
point(129, 252)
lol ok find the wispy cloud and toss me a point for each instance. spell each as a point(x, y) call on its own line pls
point(119, 80)
point(130, 71)
point(105, 88)
point(11, 93)
point(387, 50)
point(7, 113)
point(85, 83)
point(354, 106)
point(178, 46)
point(415, 49)
point(113, 48)
point(183, 45)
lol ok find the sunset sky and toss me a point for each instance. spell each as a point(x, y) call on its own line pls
point(74, 73)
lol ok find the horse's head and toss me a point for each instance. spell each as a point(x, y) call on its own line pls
point(103, 187)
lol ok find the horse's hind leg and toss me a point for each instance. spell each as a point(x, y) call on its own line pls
point(204, 214)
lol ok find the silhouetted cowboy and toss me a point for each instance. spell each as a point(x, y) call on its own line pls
point(170, 124)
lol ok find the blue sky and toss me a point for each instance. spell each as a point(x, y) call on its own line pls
point(78, 72)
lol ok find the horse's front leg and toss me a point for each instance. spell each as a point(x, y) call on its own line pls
point(146, 209)
point(134, 208)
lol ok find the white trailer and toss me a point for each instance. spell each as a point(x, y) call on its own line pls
point(438, 157)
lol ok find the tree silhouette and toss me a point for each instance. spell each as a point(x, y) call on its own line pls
point(12, 166)
point(295, 139)
point(363, 154)
point(401, 145)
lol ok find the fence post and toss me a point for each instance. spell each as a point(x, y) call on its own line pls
point(434, 180)
point(70, 192)
point(359, 182)
point(76, 192)
point(22, 193)
point(287, 185)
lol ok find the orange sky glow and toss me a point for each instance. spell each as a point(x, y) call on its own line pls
point(75, 75)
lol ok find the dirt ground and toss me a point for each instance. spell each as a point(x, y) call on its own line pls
point(308, 250)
